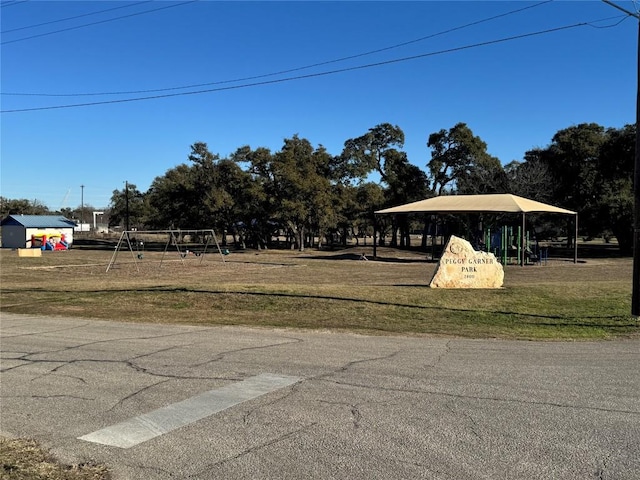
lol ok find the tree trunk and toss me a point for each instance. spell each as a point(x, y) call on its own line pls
point(425, 234)
point(240, 242)
point(355, 235)
point(570, 234)
point(394, 234)
point(301, 239)
point(624, 234)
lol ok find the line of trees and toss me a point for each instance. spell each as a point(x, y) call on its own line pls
point(23, 206)
point(312, 197)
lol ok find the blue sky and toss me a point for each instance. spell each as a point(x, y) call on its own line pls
point(514, 94)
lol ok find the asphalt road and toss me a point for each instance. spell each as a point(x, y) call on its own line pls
point(349, 407)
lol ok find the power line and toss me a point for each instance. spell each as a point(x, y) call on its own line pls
point(612, 25)
point(97, 23)
point(609, 2)
point(11, 4)
point(291, 70)
point(311, 75)
point(73, 18)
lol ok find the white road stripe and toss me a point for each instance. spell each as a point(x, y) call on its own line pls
point(153, 424)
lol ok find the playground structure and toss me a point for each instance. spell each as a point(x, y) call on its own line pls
point(490, 203)
point(187, 243)
point(505, 242)
point(509, 247)
point(49, 241)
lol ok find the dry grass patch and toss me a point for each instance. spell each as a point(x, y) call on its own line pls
point(22, 459)
point(323, 290)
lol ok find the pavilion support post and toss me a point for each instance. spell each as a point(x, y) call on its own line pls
point(375, 236)
point(434, 238)
point(522, 240)
point(575, 243)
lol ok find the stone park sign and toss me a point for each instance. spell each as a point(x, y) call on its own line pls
point(462, 267)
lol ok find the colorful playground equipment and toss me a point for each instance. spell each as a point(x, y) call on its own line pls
point(506, 245)
point(49, 241)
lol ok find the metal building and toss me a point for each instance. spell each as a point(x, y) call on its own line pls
point(21, 231)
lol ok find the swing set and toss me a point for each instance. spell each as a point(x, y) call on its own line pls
point(185, 242)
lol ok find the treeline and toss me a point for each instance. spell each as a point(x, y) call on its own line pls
point(310, 195)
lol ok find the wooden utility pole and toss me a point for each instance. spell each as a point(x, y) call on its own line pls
point(635, 297)
point(126, 200)
point(81, 208)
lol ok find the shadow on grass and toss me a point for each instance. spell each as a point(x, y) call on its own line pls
point(367, 257)
point(362, 301)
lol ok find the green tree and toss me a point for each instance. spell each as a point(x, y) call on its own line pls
point(614, 185)
point(406, 183)
point(355, 207)
point(369, 152)
point(586, 168)
point(531, 178)
point(258, 218)
point(297, 187)
point(379, 151)
point(172, 200)
point(22, 206)
point(210, 193)
point(128, 208)
point(460, 162)
point(67, 212)
point(302, 190)
point(573, 162)
point(369, 197)
point(210, 198)
point(241, 205)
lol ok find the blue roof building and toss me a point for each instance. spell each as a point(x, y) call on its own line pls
point(17, 230)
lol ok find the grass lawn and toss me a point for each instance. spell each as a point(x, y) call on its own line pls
point(333, 290)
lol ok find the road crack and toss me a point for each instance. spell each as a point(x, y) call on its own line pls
point(221, 355)
point(287, 393)
point(137, 392)
point(255, 448)
point(476, 397)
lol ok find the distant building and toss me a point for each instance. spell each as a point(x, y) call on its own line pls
point(27, 231)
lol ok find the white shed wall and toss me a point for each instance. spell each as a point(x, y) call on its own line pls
point(68, 233)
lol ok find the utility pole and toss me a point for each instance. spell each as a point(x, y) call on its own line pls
point(81, 208)
point(126, 200)
point(635, 297)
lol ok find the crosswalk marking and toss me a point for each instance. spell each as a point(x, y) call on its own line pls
point(163, 420)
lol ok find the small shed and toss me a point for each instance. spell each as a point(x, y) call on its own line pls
point(19, 231)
